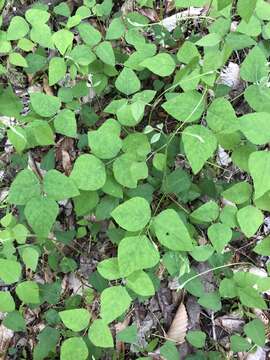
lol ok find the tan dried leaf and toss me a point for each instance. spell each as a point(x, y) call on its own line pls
point(178, 329)
point(5, 337)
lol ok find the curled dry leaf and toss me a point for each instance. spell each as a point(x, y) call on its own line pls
point(178, 329)
point(5, 337)
point(230, 75)
point(231, 322)
point(259, 354)
point(171, 22)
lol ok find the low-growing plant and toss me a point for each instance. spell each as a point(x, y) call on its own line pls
point(123, 125)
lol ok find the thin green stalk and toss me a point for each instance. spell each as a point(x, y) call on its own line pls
point(208, 271)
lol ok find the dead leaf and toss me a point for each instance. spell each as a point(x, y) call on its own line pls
point(178, 329)
point(230, 75)
point(5, 337)
point(66, 162)
point(171, 22)
point(259, 354)
point(46, 86)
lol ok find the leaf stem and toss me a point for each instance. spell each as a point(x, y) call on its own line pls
point(208, 271)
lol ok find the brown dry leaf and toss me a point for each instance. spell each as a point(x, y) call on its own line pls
point(66, 162)
point(178, 329)
point(46, 87)
point(5, 337)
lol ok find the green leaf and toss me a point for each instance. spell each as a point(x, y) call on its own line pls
point(209, 40)
point(127, 82)
point(238, 343)
point(89, 34)
point(58, 186)
point(57, 70)
point(7, 303)
point(36, 16)
point(202, 253)
point(128, 335)
point(17, 59)
point(39, 133)
point(140, 283)
point(105, 52)
point(258, 97)
point(42, 35)
point(168, 351)
point(133, 214)
point(160, 64)
point(187, 52)
point(15, 321)
point(28, 292)
point(199, 145)
point(221, 117)
point(10, 271)
point(138, 145)
point(30, 256)
point(82, 55)
point(25, 44)
point(100, 334)
point(17, 137)
point(63, 39)
point(259, 166)
point(75, 319)
point(249, 125)
point(244, 217)
point(20, 233)
point(210, 301)
point(251, 298)
point(74, 348)
point(109, 134)
point(196, 338)
point(206, 213)
point(114, 301)
point(227, 288)
point(88, 173)
point(263, 247)
point(116, 29)
point(73, 21)
point(45, 105)
point(85, 202)
point(62, 9)
point(128, 172)
point(240, 156)
point(186, 107)
point(47, 341)
point(109, 269)
point(252, 28)
point(245, 10)
point(17, 29)
point(238, 193)
point(255, 331)
point(187, 3)
point(41, 213)
point(171, 231)
point(131, 114)
point(254, 67)
point(136, 253)
point(24, 187)
point(176, 182)
point(65, 123)
point(220, 235)
point(10, 104)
